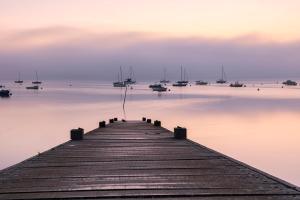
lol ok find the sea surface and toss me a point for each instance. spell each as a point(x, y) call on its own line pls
point(258, 127)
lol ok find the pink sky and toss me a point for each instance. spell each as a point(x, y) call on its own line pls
point(259, 34)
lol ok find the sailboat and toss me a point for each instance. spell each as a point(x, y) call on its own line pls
point(222, 80)
point(19, 79)
point(36, 79)
point(164, 80)
point(182, 82)
point(200, 82)
point(130, 80)
point(159, 88)
point(236, 84)
point(33, 87)
point(120, 82)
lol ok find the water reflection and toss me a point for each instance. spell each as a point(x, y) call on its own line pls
point(260, 128)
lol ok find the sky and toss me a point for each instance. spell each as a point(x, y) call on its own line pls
point(90, 39)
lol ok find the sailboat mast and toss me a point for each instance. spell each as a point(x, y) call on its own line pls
point(181, 73)
point(165, 72)
point(222, 73)
point(19, 76)
point(36, 76)
point(121, 75)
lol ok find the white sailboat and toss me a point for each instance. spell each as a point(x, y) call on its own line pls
point(19, 79)
point(120, 82)
point(222, 80)
point(182, 82)
point(37, 82)
point(130, 80)
point(164, 80)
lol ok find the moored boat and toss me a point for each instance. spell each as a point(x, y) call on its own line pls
point(158, 88)
point(130, 80)
point(33, 87)
point(164, 80)
point(182, 82)
point(37, 82)
point(201, 82)
point(19, 79)
point(236, 84)
point(290, 83)
point(222, 80)
point(120, 82)
point(5, 93)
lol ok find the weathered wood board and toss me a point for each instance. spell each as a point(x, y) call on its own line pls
point(137, 160)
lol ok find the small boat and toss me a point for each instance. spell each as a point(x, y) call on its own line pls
point(236, 84)
point(36, 79)
point(120, 82)
point(130, 80)
point(290, 83)
point(2, 86)
point(5, 93)
point(182, 82)
point(154, 85)
point(164, 80)
point(222, 80)
point(158, 88)
point(19, 79)
point(34, 87)
point(201, 83)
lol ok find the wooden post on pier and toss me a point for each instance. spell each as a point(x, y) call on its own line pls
point(77, 134)
point(157, 123)
point(179, 133)
point(102, 124)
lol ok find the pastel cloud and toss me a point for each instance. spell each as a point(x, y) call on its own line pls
point(85, 54)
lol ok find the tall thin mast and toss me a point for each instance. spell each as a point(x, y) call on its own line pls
point(36, 76)
point(181, 73)
point(222, 72)
point(121, 74)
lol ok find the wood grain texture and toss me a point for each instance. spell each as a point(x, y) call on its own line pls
point(137, 160)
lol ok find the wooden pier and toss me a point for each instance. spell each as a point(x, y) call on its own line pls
point(136, 159)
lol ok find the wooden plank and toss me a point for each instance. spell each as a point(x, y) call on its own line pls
point(136, 159)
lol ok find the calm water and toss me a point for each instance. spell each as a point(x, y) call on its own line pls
point(260, 128)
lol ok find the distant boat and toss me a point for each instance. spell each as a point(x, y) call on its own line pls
point(164, 80)
point(5, 93)
point(2, 86)
point(34, 87)
point(155, 85)
point(290, 83)
point(36, 79)
point(182, 82)
point(236, 84)
point(19, 79)
point(201, 82)
point(120, 82)
point(130, 80)
point(222, 80)
point(158, 88)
